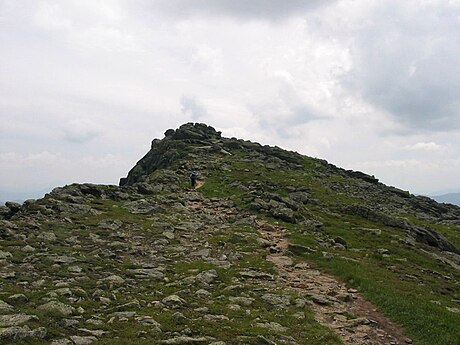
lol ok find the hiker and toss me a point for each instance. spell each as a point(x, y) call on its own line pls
point(193, 177)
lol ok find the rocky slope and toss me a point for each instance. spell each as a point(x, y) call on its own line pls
point(272, 248)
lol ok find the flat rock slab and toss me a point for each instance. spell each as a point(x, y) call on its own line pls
point(16, 319)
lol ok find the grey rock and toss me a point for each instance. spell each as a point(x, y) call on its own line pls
point(173, 301)
point(299, 249)
point(318, 299)
point(5, 307)
point(58, 307)
point(248, 273)
point(5, 255)
point(112, 224)
point(246, 301)
point(186, 340)
point(273, 326)
point(277, 301)
point(207, 277)
point(61, 342)
point(16, 333)
point(113, 280)
point(16, 319)
point(217, 318)
point(17, 299)
point(78, 340)
point(203, 293)
point(149, 273)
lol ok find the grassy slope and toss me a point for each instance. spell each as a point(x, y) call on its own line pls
point(240, 237)
point(409, 286)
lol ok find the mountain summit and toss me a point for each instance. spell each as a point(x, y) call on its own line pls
point(271, 247)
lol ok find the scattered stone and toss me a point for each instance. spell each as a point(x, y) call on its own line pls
point(453, 310)
point(57, 307)
point(299, 249)
point(173, 301)
point(273, 326)
point(277, 301)
point(207, 277)
point(147, 273)
point(5, 307)
point(186, 340)
point(114, 280)
point(319, 300)
point(18, 299)
point(28, 249)
point(217, 318)
point(17, 333)
point(78, 340)
point(5, 255)
point(246, 301)
point(328, 255)
point(203, 293)
point(256, 274)
point(16, 319)
point(178, 316)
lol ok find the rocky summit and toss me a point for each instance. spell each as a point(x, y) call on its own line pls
point(270, 247)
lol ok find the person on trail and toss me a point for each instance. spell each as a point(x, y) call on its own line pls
point(193, 177)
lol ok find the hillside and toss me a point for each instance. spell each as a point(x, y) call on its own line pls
point(272, 247)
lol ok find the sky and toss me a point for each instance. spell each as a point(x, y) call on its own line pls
point(369, 85)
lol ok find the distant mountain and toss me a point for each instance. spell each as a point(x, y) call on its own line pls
point(450, 198)
point(21, 196)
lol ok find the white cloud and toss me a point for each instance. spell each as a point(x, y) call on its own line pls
point(365, 84)
point(430, 146)
point(192, 108)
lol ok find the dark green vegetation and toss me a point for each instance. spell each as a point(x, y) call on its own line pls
point(152, 261)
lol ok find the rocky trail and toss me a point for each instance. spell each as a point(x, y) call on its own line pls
point(345, 311)
point(331, 301)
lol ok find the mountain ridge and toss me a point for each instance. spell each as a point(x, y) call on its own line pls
point(272, 248)
point(449, 198)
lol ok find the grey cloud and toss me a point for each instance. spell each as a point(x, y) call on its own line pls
point(244, 9)
point(192, 108)
point(408, 66)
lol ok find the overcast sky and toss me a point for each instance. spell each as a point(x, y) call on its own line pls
point(370, 85)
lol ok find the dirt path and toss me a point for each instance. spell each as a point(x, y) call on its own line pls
point(356, 320)
point(353, 318)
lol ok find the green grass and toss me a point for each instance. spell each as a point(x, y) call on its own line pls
point(402, 285)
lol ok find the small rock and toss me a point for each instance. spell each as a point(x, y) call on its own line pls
point(173, 301)
point(5, 307)
point(18, 299)
point(77, 340)
point(14, 333)
point(178, 316)
point(218, 318)
point(273, 326)
point(319, 300)
point(16, 319)
point(114, 279)
point(247, 301)
point(28, 249)
point(277, 301)
point(203, 293)
point(59, 307)
point(5, 255)
point(207, 277)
